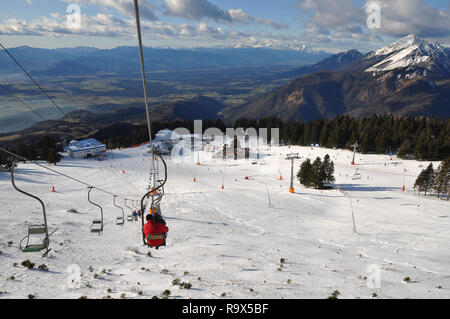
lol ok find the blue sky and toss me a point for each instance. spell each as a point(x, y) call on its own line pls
point(332, 25)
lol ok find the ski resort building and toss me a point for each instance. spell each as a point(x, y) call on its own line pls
point(85, 148)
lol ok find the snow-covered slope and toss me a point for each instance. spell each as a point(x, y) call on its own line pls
point(411, 53)
point(229, 240)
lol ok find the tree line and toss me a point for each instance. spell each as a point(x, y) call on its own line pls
point(46, 149)
point(418, 138)
point(435, 180)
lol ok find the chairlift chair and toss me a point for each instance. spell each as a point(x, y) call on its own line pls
point(356, 176)
point(120, 220)
point(97, 224)
point(155, 204)
point(38, 238)
point(130, 216)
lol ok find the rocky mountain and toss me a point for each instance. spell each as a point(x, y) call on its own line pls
point(411, 55)
point(408, 77)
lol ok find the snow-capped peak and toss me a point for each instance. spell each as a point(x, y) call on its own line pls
point(398, 45)
point(411, 52)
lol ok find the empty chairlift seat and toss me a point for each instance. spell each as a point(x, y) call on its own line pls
point(36, 239)
point(96, 226)
point(119, 220)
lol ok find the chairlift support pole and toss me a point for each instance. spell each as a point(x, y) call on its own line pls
point(355, 146)
point(292, 157)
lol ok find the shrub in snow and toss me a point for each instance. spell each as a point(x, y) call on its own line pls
point(334, 295)
point(176, 282)
point(186, 285)
point(27, 263)
point(43, 267)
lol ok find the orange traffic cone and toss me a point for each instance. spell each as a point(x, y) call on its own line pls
point(281, 178)
point(195, 179)
point(291, 190)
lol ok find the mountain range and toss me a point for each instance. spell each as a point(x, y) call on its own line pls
point(125, 59)
point(410, 77)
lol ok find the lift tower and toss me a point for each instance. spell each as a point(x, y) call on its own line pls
point(355, 146)
point(292, 157)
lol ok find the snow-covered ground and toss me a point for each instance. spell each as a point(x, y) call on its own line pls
point(229, 240)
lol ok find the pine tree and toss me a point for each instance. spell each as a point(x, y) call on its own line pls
point(328, 167)
point(425, 180)
point(305, 174)
point(319, 175)
point(442, 183)
point(53, 157)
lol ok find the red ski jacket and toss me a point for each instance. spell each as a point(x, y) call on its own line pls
point(153, 228)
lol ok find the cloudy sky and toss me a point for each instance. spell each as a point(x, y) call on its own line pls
point(332, 25)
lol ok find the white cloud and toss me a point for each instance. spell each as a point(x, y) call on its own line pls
point(403, 17)
point(202, 9)
point(122, 6)
point(342, 23)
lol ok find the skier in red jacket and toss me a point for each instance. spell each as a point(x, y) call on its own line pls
point(155, 231)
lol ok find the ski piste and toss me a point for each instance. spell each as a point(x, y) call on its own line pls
point(230, 240)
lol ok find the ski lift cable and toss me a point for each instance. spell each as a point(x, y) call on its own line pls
point(22, 101)
point(59, 173)
point(118, 174)
point(32, 79)
point(144, 84)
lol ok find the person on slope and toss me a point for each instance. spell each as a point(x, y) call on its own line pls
point(153, 229)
